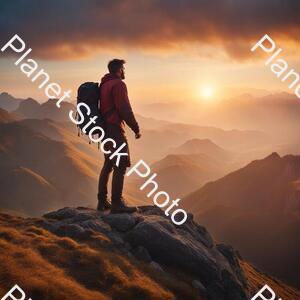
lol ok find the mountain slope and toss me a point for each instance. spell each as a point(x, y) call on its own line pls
point(34, 167)
point(183, 173)
point(205, 146)
point(5, 116)
point(128, 256)
point(191, 165)
point(254, 209)
point(65, 132)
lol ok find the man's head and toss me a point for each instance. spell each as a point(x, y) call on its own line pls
point(116, 66)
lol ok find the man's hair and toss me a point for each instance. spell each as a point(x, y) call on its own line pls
point(115, 64)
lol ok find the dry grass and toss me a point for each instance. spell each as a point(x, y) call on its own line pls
point(257, 279)
point(50, 267)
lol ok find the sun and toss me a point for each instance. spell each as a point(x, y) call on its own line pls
point(207, 92)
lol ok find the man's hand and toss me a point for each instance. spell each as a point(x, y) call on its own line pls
point(138, 135)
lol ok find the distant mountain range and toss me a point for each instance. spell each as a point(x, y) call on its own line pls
point(8, 102)
point(276, 114)
point(155, 132)
point(205, 146)
point(32, 109)
point(256, 209)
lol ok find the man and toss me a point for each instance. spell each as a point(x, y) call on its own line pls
point(116, 110)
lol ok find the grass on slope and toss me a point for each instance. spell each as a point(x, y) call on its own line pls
point(49, 267)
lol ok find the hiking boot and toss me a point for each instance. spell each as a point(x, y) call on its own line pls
point(120, 206)
point(103, 205)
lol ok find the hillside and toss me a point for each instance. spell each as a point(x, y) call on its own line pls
point(192, 164)
point(256, 205)
point(42, 168)
point(183, 173)
point(5, 116)
point(90, 255)
point(65, 132)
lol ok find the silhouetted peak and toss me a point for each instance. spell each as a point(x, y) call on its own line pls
point(273, 156)
point(50, 101)
point(199, 141)
point(29, 101)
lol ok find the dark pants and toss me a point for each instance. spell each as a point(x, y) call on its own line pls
point(116, 133)
point(117, 181)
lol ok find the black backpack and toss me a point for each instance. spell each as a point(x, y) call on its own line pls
point(89, 94)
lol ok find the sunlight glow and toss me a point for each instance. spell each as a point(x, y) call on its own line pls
point(207, 92)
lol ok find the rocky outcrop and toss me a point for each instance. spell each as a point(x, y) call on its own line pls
point(149, 236)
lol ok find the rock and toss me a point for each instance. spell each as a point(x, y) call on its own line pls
point(80, 217)
point(61, 214)
point(71, 230)
point(175, 248)
point(115, 238)
point(156, 266)
point(121, 222)
point(228, 288)
point(51, 225)
point(128, 247)
point(202, 234)
point(216, 291)
point(198, 232)
point(178, 217)
point(96, 225)
point(142, 254)
point(151, 210)
point(234, 289)
point(151, 237)
point(233, 259)
point(199, 286)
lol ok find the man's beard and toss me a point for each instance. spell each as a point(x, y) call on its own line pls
point(122, 75)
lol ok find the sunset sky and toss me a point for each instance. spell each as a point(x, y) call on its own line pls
point(175, 50)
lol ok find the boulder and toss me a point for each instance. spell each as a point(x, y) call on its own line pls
point(97, 225)
point(151, 237)
point(199, 286)
point(154, 265)
point(173, 247)
point(142, 254)
point(121, 222)
point(61, 214)
point(70, 230)
point(233, 258)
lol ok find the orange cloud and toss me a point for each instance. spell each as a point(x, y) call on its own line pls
point(74, 29)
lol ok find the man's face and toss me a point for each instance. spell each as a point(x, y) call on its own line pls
point(122, 72)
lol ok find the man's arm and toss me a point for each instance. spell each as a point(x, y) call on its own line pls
point(123, 106)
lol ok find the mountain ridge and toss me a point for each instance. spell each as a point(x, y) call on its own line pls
point(258, 204)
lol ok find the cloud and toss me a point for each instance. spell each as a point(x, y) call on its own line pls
point(75, 28)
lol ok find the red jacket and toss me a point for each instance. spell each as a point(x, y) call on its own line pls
point(115, 104)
